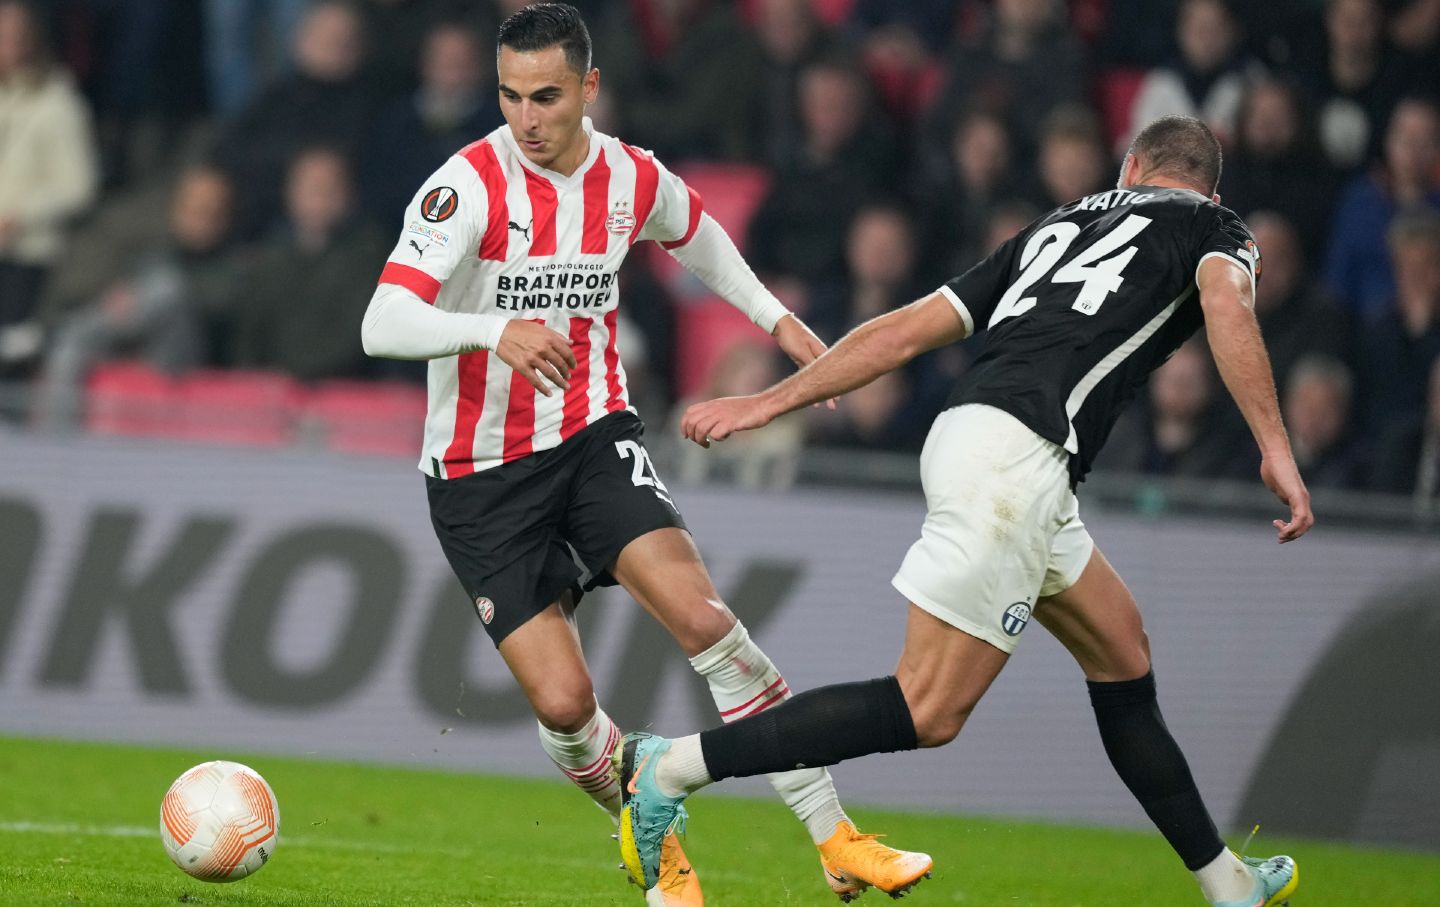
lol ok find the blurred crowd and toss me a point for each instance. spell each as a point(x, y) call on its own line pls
point(214, 184)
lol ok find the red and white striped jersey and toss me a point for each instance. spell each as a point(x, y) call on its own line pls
point(492, 233)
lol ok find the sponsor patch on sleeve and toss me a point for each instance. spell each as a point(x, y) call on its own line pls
point(438, 237)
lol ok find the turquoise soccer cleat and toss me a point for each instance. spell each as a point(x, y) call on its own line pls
point(646, 814)
point(1275, 880)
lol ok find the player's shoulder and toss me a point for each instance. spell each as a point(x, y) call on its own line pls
point(487, 151)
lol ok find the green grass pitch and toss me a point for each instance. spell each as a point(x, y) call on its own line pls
point(79, 825)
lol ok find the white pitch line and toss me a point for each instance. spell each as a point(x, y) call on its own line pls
point(140, 831)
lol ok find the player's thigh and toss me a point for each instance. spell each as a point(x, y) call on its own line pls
point(994, 491)
point(663, 571)
point(499, 531)
point(1097, 620)
point(943, 672)
point(545, 657)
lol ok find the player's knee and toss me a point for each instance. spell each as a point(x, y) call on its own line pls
point(937, 719)
point(702, 624)
point(565, 708)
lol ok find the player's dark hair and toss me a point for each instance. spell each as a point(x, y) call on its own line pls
point(542, 25)
point(1182, 148)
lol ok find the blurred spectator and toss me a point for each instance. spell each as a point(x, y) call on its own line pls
point(48, 175)
point(1181, 432)
point(791, 38)
point(323, 101)
point(800, 227)
point(686, 75)
point(1297, 318)
point(1317, 408)
point(1005, 221)
point(1073, 161)
point(1026, 63)
point(397, 34)
point(880, 257)
point(1355, 79)
point(1206, 80)
point(1276, 164)
point(246, 45)
point(171, 310)
point(1398, 349)
point(411, 138)
point(1415, 32)
point(1408, 459)
point(764, 458)
point(957, 206)
point(933, 21)
point(905, 74)
point(1358, 263)
point(304, 295)
point(1138, 33)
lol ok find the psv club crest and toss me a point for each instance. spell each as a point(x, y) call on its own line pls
point(620, 221)
point(485, 608)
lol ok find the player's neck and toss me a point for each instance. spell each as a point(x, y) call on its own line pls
point(1161, 181)
point(568, 161)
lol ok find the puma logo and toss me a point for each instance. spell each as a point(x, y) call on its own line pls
point(525, 230)
point(419, 252)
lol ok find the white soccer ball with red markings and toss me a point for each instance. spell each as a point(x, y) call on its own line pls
point(220, 821)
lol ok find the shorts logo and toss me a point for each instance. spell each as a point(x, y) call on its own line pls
point(620, 221)
point(439, 204)
point(1015, 619)
point(485, 608)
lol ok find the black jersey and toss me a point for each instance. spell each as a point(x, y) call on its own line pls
point(1085, 302)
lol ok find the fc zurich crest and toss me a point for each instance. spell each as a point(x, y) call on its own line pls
point(1015, 619)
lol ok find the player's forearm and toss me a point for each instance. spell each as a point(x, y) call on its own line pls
point(1244, 366)
point(711, 256)
point(400, 325)
point(863, 355)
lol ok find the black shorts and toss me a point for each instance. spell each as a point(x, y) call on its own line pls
point(519, 535)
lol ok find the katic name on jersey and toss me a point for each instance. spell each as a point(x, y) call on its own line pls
point(1104, 201)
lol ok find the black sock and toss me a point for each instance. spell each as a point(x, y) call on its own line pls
point(1150, 763)
point(817, 727)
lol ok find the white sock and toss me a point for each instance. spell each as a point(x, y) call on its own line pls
point(584, 757)
point(1225, 878)
point(744, 682)
point(682, 768)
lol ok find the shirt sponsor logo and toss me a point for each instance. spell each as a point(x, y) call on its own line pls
point(620, 221)
point(485, 608)
point(439, 204)
point(438, 237)
point(1015, 619)
point(1251, 253)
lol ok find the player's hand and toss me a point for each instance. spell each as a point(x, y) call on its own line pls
point(1281, 476)
point(799, 343)
point(542, 356)
point(716, 420)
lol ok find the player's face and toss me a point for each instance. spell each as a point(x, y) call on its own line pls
point(544, 100)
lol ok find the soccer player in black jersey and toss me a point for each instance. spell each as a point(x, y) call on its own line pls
point(1079, 308)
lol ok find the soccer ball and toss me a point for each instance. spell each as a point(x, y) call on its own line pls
point(219, 821)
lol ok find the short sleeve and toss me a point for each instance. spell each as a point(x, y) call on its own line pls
point(975, 293)
point(676, 213)
point(442, 227)
point(1226, 236)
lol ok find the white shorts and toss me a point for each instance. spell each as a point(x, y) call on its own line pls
point(1002, 527)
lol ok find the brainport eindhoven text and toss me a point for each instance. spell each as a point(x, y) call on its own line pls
point(523, 292)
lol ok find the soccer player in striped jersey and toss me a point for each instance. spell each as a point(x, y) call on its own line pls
point(1079, 308)
point(539, 483)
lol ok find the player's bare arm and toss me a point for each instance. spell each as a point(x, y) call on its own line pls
point(878, 346)
point(1227, 298)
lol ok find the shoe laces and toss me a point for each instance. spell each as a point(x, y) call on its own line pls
point(869, 845)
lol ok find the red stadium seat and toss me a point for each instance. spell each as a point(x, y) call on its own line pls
point(1115, 93)
point(240, 407)
point(367, 417)
point(126, 398)
point(704, 330)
